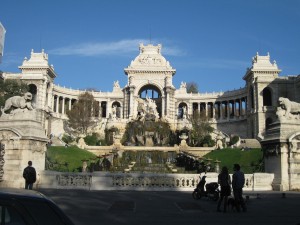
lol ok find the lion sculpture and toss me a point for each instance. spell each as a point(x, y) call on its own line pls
point(289, 106)
point(18, 102)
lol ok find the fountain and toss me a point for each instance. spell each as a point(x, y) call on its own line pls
point(148, 145)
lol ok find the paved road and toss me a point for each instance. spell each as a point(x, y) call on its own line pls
point(147, 207)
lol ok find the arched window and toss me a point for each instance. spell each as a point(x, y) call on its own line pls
point(182, 110)
point(33, 91)
point(267, 97)
point(116, 109)
point(151, 91)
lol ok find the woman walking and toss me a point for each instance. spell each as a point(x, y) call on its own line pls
point(225, 183)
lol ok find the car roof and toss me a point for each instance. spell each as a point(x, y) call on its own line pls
point(22, 193)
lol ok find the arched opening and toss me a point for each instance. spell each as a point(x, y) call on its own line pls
point(152, 92)
point(182, 110)
point(33, 91)
point(116, 109)
point(267, 97)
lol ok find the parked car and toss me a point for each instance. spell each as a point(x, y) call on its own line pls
point(28, 207)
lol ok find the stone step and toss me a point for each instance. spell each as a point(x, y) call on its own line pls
point(55, 141)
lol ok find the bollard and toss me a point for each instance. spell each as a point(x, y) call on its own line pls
point(283, 195)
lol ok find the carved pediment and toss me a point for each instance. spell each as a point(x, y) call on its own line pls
point(150, 57)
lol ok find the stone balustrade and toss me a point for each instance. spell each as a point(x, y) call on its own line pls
point(142, 181)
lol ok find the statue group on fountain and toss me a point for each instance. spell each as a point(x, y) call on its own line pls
point(146, 108)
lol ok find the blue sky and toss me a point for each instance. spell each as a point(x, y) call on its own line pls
point(210, 42)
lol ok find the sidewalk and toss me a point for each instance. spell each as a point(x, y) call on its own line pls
point(147, 207)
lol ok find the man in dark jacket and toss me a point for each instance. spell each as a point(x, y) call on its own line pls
point(29, 175)
point(238, 181)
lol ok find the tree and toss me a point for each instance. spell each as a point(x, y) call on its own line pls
point(200, 133)
point(192, 87)
point(82, 114)
point(10, 88)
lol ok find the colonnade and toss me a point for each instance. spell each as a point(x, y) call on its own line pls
point(61, 105)
point(220, 110)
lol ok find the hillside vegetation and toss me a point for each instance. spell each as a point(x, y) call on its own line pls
point(70, 159)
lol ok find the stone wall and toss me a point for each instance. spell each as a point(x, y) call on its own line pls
point(143, 182)
point(234, 127)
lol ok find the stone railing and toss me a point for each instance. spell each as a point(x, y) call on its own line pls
point(140, 181)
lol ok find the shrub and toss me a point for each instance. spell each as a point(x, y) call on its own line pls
point(67, 139)
point(234, 140)
point(92, 140)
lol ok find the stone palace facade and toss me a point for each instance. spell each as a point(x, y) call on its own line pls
point(246, 112)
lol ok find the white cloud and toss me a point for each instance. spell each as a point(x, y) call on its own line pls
point(109, 48)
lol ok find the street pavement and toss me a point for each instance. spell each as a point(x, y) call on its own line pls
point(172, 207)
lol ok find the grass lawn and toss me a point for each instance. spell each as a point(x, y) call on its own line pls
point(67, 159)
point(249, 160)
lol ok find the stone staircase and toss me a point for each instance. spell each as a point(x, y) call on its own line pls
point(55, 141)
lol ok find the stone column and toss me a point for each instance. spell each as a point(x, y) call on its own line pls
point(108, 108)
point(53, 98)
point(240, 107)
point(131, 103)
point(228, 110)
point(162, 106)
point(221, 109)
point(168, 102)
point(63, 106)
point(70, 104)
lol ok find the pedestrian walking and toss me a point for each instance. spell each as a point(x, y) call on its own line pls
point(225, 182)
point(29, 175)
point(238, 181)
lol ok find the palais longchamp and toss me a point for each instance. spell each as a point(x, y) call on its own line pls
point(246, 112)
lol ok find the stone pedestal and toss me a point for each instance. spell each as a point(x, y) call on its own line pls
point(24, 139)
point(281, 146)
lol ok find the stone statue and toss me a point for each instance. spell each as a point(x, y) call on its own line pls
point(151, 107)
point(219, 142)
point(289, 106)
point(184, 112)
point(114, 112)
point(146, 107)
point(183, 85)
point(116, 84)
point(18, 102)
